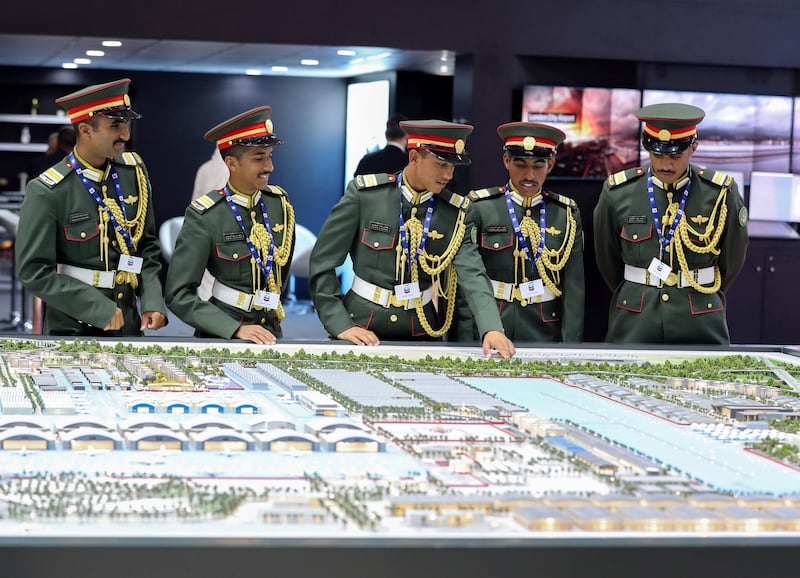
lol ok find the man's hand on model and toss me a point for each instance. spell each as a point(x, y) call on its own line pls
point(495, 340)
point(359, 336)
point(256, 334)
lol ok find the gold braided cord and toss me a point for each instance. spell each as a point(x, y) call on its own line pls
point(434, 264)
point(690, 279)
point(713, 232)
point(134, 227)
point(714, 228)
point(551, 261)
point(450, 296)
point(262, 239)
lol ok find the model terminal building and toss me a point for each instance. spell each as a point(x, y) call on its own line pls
point(306, 442)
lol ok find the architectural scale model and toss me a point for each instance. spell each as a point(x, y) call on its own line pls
point(319, 439)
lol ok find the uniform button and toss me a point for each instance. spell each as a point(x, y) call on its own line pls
point(351, 316)
point(553, 314)
point(376, 244)
point(709, 305)
point(496, 245)
point(624, 301)
point(393, 318)
point(113, 243)
point(83, 234)
point(236, 255)
point(263, 320)
point(665, 297)
point(635, 237)
point(120, 295)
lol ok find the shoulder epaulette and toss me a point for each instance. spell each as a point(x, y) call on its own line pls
point(481, 194)
point(131, 159)
point(617, 179)
point(559, 198)
point(55, 174)
point(276, 190)
point(202, 204)
point(458, 201)
point(376, 180)
point(716, 177)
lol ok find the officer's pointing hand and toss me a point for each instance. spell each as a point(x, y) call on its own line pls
point(359, 336)
point(116, 322)
point(500, 343)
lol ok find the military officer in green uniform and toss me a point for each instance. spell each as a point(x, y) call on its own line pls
point(405, 233)
point(87, 243)
point(669, 238)
point(531, 242)
point(243, 234)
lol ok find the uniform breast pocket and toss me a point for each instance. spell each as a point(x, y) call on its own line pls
point(496, 241)
point(82, 239)
point(636, 239)
point(376, 246)
point(235, 260)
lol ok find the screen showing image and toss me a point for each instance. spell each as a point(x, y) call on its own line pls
point(600, 123)
point(774, 197)
point(740, 132)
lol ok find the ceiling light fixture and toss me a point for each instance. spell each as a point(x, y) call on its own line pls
point(82, 60)
point(70, 65)
point(280, 69)
point(112, 43)
point(252, 72)
point(343, 52)
point(95, 53)
point(309, 62)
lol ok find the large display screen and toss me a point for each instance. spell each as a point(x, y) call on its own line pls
point(774, 197)
point(600, 123)
point(740, 132)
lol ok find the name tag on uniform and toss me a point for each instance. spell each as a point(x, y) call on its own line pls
point(407, 290)
point(130, 263)
point(531, 289)
point(659, 269)
point(267, 300)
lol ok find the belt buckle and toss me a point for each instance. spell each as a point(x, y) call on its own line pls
point(395, 302)
point(672, 279)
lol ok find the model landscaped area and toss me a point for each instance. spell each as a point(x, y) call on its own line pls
point(133, 438)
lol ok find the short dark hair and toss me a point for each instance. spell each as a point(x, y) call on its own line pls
point(234, 151)
point(393, 129)
point(66, 138)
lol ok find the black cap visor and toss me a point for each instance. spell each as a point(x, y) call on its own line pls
point(260, 141)
point(668, 147)
point(534, 153)
point(121, 113)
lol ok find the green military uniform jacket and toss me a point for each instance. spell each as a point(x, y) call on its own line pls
point(210, 238)
point(625, 234)
point(549, 321)
point(365, 224)
point(59, 224)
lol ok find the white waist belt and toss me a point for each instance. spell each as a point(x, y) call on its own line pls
point(100, 279)
point(704, 276)
point(385, 297)
point(509, 292)
point(232, 297)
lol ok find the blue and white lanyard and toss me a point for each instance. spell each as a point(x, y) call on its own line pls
point(664, 241)
point(99, 200)
point(426, 226)
point(518, 232)
point(265, 268)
